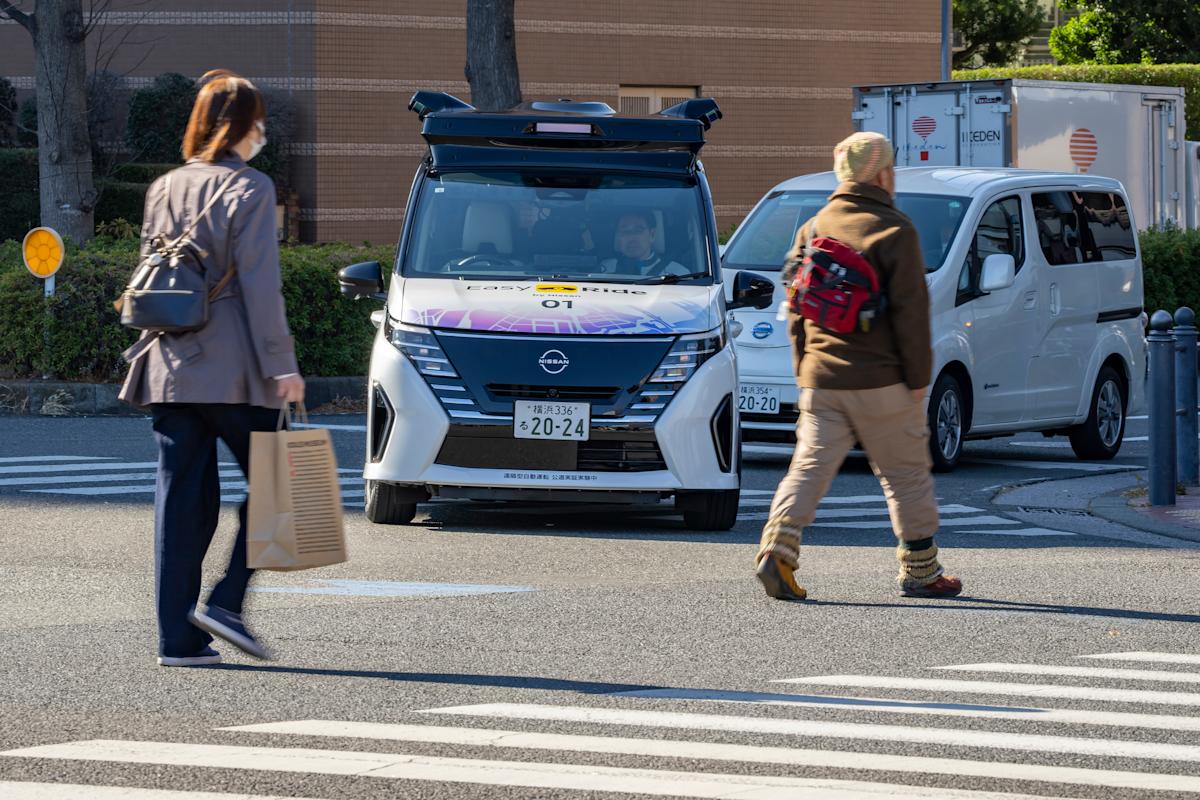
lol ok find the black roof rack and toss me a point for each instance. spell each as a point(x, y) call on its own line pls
point(556, 132)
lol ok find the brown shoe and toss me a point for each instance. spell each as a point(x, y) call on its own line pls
point(944, 586)
point(778, 579)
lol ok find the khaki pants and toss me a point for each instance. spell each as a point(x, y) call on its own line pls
point(893, 431)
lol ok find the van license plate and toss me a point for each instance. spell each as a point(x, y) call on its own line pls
point(756, 399)
point(537, 419)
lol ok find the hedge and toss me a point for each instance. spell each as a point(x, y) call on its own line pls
point(1171, 258)
point(85, 338)
point(19, 210)
point(1185, 75)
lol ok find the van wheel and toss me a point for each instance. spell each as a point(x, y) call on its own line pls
point(710, 511)
point(384, 507)
point(947, 416)
point(1099, 437)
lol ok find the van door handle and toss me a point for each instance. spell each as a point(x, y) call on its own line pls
point(1030, 300)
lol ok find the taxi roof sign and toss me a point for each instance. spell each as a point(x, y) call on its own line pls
point(43, 251)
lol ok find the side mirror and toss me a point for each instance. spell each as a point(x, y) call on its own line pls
point(362, 280)
point(751, 290)
point(999, 272)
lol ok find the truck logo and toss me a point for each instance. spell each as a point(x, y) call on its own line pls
point(554, 361)
point(924, 126)
point(1084, 149)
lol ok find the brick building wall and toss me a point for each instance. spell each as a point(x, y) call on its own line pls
point(780, 69)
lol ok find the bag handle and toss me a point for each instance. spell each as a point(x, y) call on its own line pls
point(285, 414)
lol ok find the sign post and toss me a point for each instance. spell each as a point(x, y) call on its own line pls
point(43, 252)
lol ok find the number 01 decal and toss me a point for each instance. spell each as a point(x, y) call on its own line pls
point(557, 303)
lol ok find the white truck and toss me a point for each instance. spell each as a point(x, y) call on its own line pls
point(1132, 133)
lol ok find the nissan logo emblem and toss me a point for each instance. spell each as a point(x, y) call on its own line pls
point(554, 361)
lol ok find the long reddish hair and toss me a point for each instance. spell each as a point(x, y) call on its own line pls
point(226, 109)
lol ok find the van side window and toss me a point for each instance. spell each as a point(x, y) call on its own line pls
point(999, 231)
point(1083, 227)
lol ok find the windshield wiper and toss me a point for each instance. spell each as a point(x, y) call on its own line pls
point(673, 278)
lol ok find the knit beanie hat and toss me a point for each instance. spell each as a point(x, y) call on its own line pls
point(861, 156)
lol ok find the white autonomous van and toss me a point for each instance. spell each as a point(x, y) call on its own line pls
point(1035, 283)
point(555, 325)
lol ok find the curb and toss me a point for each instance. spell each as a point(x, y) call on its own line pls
point(1114, 507)
point(63, 399)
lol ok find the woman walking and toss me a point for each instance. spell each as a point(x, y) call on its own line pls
point(220, 382)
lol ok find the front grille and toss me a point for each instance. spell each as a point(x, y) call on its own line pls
point(588, 394)
point(485, 446)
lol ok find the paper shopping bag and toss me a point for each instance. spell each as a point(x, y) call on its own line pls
point(295, 516)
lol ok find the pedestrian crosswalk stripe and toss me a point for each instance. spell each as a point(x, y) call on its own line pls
point(1071, 465)
point(526, 774)
point(35, 459)
point(710, 751)
point(142, 488)
point(1070, 716)
point(24, 790)
point(946, 523)
point(1161, 676)
point(1031, 532)
point(1161, 658)
point(1007, 689)
point(106, 466)
point(994, 740)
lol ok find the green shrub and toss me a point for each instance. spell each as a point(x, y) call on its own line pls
point(8, 113)
point(1185, 75)
point(158, 116)
point(19, 209)
point(333, 334)
point(1171, 263)
point(120, 200)
point(140, 173)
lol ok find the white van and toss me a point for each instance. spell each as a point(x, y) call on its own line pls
point(555, 325)
point(1035, 283)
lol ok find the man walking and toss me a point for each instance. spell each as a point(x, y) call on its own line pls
point(866, 385)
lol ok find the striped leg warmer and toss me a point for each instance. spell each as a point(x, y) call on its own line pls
point(919, 564)
point(781, 538)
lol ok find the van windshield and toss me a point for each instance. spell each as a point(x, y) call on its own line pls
point(560, 226)
point(765, 238)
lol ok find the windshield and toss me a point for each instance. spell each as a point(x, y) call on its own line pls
point(558, 226)
point(765, 238)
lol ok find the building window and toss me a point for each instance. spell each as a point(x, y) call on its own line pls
point(645, 100)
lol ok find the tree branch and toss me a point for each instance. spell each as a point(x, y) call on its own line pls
point(7, 9)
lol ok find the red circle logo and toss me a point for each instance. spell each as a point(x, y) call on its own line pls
point(1084, 149)
point(924, 126)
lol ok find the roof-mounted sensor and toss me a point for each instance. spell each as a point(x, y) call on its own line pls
point(424, 103)
point(703, 109)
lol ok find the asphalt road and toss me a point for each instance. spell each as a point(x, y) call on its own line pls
point(515, 652)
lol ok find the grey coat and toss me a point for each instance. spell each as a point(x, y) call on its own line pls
point(246, 343)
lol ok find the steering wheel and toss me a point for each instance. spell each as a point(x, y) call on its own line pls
point(487, 258)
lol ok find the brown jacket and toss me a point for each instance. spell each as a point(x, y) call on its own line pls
point(246, 343)
point(897, 348)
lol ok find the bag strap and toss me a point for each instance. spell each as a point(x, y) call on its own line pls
point(212, 202)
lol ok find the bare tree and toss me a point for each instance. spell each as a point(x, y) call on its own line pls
point(492, 55)
point(59, 31)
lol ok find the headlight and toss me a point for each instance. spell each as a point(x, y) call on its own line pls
point(421, 347)
point(687, 354)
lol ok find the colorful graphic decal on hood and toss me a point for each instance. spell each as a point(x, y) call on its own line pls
point(678, 316)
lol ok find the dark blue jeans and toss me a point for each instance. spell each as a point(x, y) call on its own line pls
point(187, 505)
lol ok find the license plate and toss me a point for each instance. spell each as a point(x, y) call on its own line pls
point(536, 419)
point(753, 399)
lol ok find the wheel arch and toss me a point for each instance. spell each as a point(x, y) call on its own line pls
point(958, 370)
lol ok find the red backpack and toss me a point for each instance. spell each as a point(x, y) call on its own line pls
point(835, 286)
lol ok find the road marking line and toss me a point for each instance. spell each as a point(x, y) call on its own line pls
point(1080, 672)
point(24, 459)
point(1072, 465)
point(94, 491)
point(529, 774)
point(1019, 532)
point(1115, 719)
point(667, 748)
point(833, 513)
point(56, 479)
point(1160, 658)
point(1008, 689)
point(887, 523)
point(353, 588)
point(356, 428)
point(22, 790)
point(108, 466)
point(995, 740)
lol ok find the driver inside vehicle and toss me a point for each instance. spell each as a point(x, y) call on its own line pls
point(635, 239)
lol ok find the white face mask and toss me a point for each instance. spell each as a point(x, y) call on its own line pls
point(256, 147)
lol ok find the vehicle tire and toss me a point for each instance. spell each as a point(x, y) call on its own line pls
point(712, 511)
point(384, 507)
point(947, 421)
point(1099, 437)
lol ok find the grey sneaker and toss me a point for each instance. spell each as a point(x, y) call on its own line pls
point(229, 627)
point(198, 659)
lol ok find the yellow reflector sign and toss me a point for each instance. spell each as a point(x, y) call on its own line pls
point(556, 287)
point(43, 252)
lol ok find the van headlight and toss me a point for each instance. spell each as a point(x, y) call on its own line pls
point(687, 354)
point(421, 347)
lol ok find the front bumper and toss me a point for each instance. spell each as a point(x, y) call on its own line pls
point(419, 446)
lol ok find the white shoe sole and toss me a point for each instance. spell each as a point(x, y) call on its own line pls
point(188, 661)
point(248, 646)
